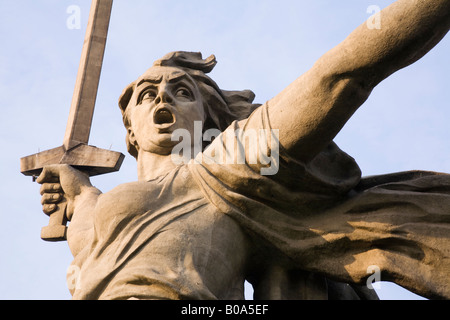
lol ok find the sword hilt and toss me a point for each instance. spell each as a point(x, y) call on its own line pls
point(56, 230)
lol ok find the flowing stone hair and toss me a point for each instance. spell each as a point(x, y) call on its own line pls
point(222, 107)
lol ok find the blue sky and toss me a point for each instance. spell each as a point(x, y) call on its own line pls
point(261, 45)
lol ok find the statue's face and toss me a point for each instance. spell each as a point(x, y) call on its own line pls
point(165, 99)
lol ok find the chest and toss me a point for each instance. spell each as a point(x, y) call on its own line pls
point(172, 212)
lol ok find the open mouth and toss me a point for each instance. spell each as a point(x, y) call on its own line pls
point(163, 117)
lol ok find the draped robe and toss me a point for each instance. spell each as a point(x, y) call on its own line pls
point(169, 239)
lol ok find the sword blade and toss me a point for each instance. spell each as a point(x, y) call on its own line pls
point(86, 86)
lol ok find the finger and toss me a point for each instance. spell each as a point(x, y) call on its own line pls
point(49, 198)
point(49, 174)
point(49, 208)
point(50, 188)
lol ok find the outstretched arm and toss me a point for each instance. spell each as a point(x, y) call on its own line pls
point(312, 110)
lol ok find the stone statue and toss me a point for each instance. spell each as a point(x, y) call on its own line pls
point(230, 191)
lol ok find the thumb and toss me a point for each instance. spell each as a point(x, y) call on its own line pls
point(49, 174)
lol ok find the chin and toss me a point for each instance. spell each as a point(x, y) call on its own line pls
point(162, 146)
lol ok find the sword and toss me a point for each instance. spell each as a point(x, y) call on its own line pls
point(75, 150)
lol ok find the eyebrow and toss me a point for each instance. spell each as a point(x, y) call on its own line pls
point(171, 79)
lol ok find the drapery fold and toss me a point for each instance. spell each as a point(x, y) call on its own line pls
point(330, 221)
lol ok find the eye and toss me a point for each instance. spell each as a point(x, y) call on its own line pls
point(184, 94)
point(147, 96)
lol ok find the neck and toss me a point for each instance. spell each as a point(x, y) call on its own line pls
point(152, 165)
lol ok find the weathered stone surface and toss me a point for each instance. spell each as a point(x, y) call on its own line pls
point(288, 211)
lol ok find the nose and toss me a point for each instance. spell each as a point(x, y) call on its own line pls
point(163, 96)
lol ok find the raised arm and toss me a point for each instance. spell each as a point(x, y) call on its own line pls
point(312, 110)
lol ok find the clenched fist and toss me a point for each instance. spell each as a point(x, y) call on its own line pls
point(61, 183)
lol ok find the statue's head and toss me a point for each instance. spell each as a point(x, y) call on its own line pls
point(173, 94)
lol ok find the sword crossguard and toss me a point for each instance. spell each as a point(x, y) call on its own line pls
point(89, 159)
